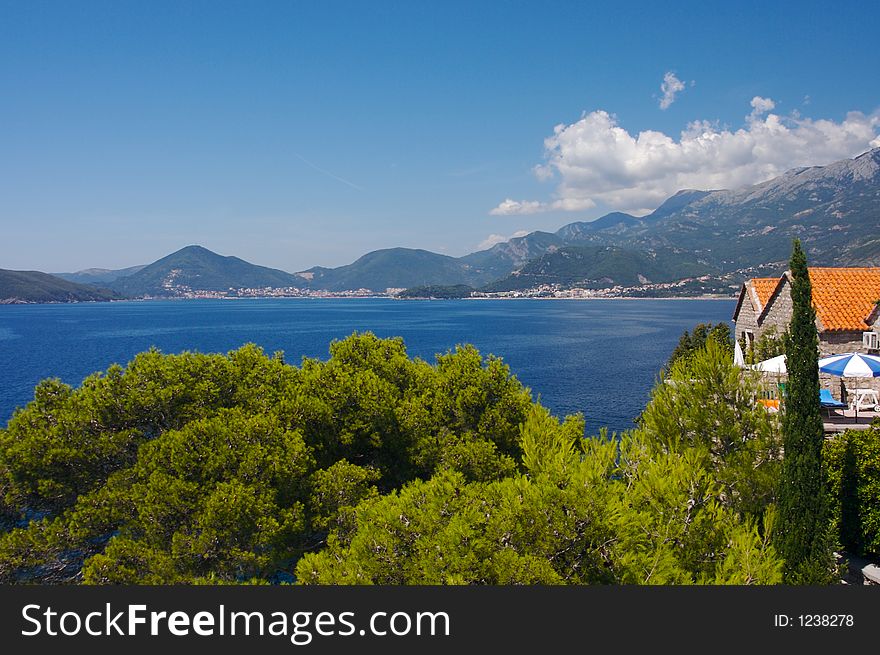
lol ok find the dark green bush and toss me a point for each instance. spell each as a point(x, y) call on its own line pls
point(852, 462)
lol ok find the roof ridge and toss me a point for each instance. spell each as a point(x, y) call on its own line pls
point(844, 268)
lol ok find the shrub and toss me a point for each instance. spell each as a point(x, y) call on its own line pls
point(852, 462)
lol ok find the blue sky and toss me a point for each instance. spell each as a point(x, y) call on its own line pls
point(295, 134)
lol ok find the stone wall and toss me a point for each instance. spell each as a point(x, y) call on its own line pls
point(835, 343)
point(747, 319)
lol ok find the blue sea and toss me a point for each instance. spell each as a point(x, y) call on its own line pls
point(597, 357)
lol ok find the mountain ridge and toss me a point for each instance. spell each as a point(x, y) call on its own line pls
point(833, 209)
point(98, 276)
point(196, 267)
point(600, 267)
point(37, 287)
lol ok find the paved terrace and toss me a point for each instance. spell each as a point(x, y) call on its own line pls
point(842, 420)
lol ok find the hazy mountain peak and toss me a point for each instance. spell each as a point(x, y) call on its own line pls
point(195, 249)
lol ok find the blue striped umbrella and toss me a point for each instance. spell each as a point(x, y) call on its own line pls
point(851, 365)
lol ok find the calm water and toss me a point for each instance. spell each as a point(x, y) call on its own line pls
point(599, 357)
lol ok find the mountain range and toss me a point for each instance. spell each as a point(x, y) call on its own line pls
point(833, 209)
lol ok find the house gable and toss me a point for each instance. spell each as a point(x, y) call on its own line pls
point(758, 291)
point(739, 301)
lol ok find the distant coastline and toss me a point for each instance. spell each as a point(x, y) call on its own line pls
point(6, 302)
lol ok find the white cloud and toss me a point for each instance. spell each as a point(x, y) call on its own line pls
point(670, 86)
point(596, 160)
point(760, 106)
point(510, 207)
point(493, 239)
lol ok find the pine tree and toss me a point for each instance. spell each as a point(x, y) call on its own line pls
point(689, 343)
point(803, 537)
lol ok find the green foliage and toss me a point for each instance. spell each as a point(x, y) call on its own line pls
point(852, 463)
point(769, 344)
point(803, 536)
point(438, 291)
point(550, 449)
point(587, 515)
point(373, 406)
point(338, 488)
point(67, 442)
point(689, 343)
point(221, 495)
point(372, 467)
point(656, 506)
point(675, 529)
point(708, 404)
point(181, 468)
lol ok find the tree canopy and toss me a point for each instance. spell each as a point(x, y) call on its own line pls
point(181, 467)
point(696, 339)
point(374, 467)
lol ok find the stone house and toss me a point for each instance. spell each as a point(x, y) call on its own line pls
point(847, 313)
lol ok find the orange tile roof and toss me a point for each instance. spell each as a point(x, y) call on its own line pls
point(764, 288)
point(845, 297)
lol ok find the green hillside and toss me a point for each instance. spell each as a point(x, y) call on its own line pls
point(401, 268)
point(36, 287)
point(503, 258)
point(198, 268)
point(598, 267)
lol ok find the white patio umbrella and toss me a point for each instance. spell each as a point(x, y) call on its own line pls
point(851, 365)
point(738, 358)
point(772, 365)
